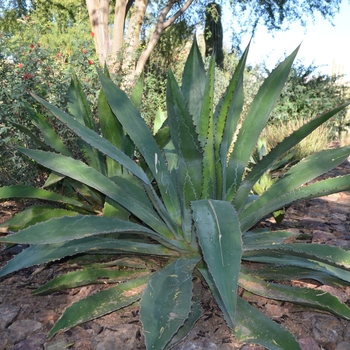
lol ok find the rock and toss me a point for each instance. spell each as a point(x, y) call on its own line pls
point(123, 337)
point(316, 225)
point(340, 243)
point(4, 341)
point(347, 331)
point(274, 311)
point(321, 236)
point(227, 346)
point(78, 333)
point(308, 343)
point(344, 345)
point(27, 345)
point(335, 222)
point(47, 317)
point(339, 228)
point(7, 315)
point(327, 331)
point(84, 345)
point(337, 217)
point(57, 345)
point(20, 329)
point(252, 347)
point(92, 328)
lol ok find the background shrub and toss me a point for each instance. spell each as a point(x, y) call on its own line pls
point(315, 142)
point(26, 64)
point(306, 94)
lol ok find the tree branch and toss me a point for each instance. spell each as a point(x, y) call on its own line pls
point(118, 28)
point(160, 27)
point(172, 19)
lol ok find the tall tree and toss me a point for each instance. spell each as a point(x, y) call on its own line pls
point(98, 14)
point(213, 34)
point(62, 13)
point(118, 25)
point(126, 38)
point(130, 19)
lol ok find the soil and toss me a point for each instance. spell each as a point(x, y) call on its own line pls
point(25, 320)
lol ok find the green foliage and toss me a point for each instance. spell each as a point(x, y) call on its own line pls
point(306, 94)
point(213, 33)
point(13, 13)
point(29, 63)
point(247, 14)
point(302, 99)
point(184, 206)
point(154, 94)
point(315, 142)
point(78, 198)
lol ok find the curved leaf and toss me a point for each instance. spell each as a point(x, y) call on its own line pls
point(112, 131)
point(39, 254)
point(102, 303)
point(49, 134)
point(158, 123)
point(95, 140)
point(185, 141)
point(184, 138)
point(288, 259)
point(91, 177)
point(254, 327)
point(321, 252)
point(53, 179)
point(289, 142)
point(136, 95)
point(193, 82)
point(288, 273)
point(65, 229)
point(303, 296)
point(206, 129)
point(306, 170)
point(265, 238)
point(87, 276)
point(35, 139)
point(34, 215)
point(141, 135)
point(227, 117)
point(184, 330)
point(219, 236)
point(254, 123)
point(79, 107)
point(166, 302)
point(209, 279)
point(254, 213)
point(18, 191)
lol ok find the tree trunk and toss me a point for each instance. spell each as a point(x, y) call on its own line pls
point(118, 28)
point(98, 14)
point(133, 35)
point(125, 51)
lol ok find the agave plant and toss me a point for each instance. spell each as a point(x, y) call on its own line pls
point(188, 200)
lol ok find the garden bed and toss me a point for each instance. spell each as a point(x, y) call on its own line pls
point(25, 320)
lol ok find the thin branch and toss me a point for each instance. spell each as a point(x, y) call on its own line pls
point(172, 19)
point(160, 27)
